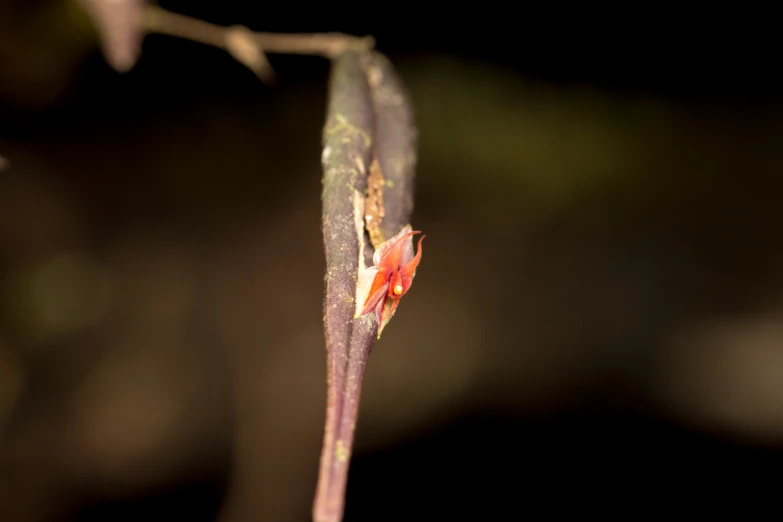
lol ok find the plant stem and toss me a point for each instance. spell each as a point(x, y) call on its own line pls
point(330, 45)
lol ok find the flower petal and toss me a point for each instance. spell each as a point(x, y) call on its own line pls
point(406, 253)
point(388, 311)
point(378, 296)
point(408, 271)
point(379, 314)
point(363, 285)
point(385, 248)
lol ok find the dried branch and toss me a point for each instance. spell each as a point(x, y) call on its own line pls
point(120, 27)
point(369, 127)
point(329, 45)
point(123, 23)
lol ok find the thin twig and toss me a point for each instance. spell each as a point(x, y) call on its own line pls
point(120, 29)
point(329, 45)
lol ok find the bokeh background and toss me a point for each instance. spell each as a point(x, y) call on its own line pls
point(597, 321)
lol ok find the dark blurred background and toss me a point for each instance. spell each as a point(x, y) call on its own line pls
point(597, 321)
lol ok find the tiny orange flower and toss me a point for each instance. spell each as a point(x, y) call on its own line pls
point(381, 286)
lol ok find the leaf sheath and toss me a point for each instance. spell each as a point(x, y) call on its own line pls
point(368, 118)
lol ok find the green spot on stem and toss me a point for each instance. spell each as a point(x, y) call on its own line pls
point(342, 124)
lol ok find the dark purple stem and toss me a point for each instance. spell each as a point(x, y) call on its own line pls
point(368, 117)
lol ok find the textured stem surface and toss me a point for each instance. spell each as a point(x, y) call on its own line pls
point(368, 119)
point(346, 156)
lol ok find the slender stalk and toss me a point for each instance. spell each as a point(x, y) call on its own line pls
point(369, 122)
point(346, 155)
point(330, 45)
point(122, 25)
